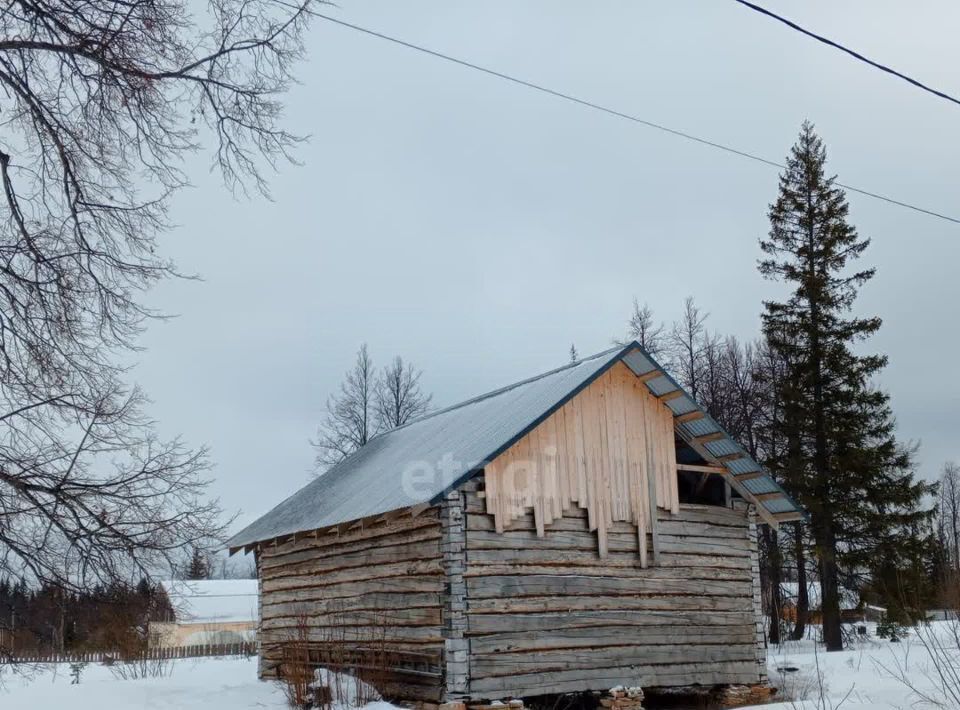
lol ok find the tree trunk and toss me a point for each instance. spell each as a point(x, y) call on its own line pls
point(829, 585)
point(803, 599)
point(951, 486)
point(822, 514)
point(774, 578)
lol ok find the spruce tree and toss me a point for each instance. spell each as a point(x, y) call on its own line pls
point(198, 567)
point(844, 463)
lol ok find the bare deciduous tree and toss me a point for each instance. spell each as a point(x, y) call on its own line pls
point(351, 419)
point(948, 514)
point(642, 328)
point(99, 105)
point(399, 397)
point(368, 403)
point(713, 377)
point(686, 338)
point(89, 493)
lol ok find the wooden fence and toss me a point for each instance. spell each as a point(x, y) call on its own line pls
point(245, 648)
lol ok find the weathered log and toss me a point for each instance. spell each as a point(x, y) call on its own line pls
point(536, 565)
point(329, 538)
point(676, 635)
point(605, 656)
point(371, 633)
point(410, 552)
point(283, 615)
point(376, 547)
point(685, 523)
point(368, 601)
point(509, 588)
point(534, 622)
point(531, 684)
point(529, 605)
point(398, 569)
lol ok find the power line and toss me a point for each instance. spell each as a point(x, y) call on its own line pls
point(619, 114)
point(847, 50)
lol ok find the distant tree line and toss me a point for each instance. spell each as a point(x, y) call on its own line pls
point(110, 617)
point(804, 402)
point(947, 530)
point(50, 618)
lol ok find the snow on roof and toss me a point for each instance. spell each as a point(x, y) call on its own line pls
point(212, 601)
point(849, 599)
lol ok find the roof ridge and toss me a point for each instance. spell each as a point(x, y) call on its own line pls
point(507, 388)
point(378, 483)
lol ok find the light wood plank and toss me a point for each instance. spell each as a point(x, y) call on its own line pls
point(599, 451)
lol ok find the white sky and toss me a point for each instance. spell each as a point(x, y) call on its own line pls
point(477, 228)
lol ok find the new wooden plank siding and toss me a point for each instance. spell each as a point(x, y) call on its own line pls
point(547, 614)
point(600, 452)
point(374, 590)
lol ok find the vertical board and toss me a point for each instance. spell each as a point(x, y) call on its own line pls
point(608, 451)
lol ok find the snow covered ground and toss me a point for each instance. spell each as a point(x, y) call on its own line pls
point(188, 684)
point(857, 679)
point(209, 683)
point(869, 676)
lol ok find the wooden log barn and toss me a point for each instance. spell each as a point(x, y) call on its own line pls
point(586, 528)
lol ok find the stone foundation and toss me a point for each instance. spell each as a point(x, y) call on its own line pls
point(623, 699)
point(735, 696)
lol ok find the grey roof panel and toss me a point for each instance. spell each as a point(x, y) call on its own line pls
point(723, 447)
point(418, 462)
point(661, 385)
point(779, 505)
point(682, 405)
point(760, 485)
point(744, 464)
point(699, 427)
point(639, 362)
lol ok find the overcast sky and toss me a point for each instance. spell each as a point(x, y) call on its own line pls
point(478, 228)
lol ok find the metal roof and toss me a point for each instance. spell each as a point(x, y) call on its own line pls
point(418, 462)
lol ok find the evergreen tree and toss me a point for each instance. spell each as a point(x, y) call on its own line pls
point(198, 567)
point(784, 454)
point(843, 461)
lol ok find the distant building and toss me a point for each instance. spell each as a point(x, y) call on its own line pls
point(850, 607)
point(207, 612)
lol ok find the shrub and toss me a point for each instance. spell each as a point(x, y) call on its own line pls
point(891, 628)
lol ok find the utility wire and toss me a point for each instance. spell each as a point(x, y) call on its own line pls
point(847, 50)
point(620, 114)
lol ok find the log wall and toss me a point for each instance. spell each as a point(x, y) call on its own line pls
point(547, 614)
point(442, 606)
point(371, 596)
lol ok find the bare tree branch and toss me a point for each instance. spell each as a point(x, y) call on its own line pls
point(100, 103)
point(399, 398)
point(351, 415)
